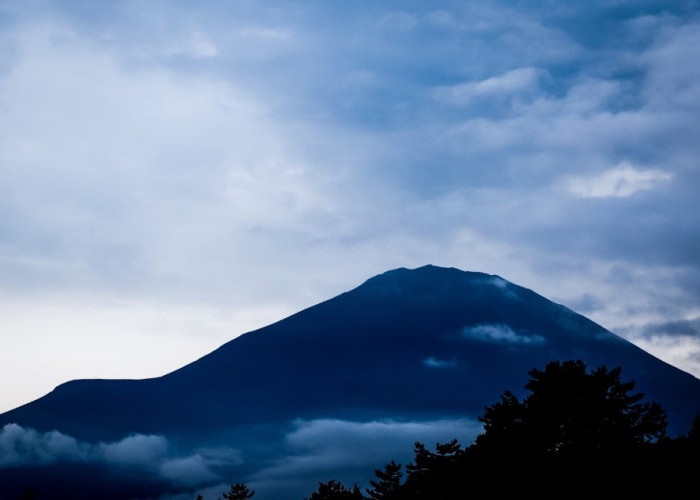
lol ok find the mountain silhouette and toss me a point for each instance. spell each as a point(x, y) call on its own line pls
point(408, 345)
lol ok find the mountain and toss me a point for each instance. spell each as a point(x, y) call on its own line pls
point(408, 355)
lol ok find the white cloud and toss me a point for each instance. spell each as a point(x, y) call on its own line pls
point(502, 285)
point(682, 351)
point(498, 282)
point(620, 182)
point(432, 362)
point(673, 80)
point(323, 444)
point(513, 82)
point(319, 449)
point(150, 454)
point(272, 34)
point(201, 46)
point(188, 471)
point(500, 334)
point(20, 446)
point(136, 450)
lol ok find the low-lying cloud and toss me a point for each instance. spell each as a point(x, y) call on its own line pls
point(349, 451)
point(20, 446)
point(150, 454)
point(433, 362)
point(499, 334)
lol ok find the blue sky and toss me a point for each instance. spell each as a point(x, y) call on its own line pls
point(174, 173)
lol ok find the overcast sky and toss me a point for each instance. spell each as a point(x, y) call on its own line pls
point(175, 173)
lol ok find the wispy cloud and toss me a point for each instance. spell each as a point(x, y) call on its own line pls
point(682, 327)
point(619, 182)
point(500, 334)
point(433, 362)
point(512, 83)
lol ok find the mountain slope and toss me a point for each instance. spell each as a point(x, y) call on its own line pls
point(408, 345)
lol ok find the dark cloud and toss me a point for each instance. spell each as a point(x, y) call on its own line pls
point(678, 328)
point(585, 304)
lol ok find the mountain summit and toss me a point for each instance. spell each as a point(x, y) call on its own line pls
point(408, 347)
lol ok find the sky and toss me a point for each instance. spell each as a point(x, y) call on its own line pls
point(174, 174)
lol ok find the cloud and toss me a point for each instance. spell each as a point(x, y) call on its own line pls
point(502, 285)
point(619, 182)
point(137, 450)
point(349, 451)
point(679, 350)
point(498, 282)
point(512, 83)
point(432, 362)
point(672, 82)
point(150, 455)
point(680, 328)
point(193, 470)
point(20, 446)
point(499, 334)
point(586, 303)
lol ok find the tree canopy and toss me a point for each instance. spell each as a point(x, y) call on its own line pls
point(238, 491)
point(571, 410)
point(335, 490)
point(578, 433)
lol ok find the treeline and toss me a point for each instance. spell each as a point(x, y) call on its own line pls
point(577, 434)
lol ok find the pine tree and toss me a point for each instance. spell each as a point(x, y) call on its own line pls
point(335, 490)
point(388, 486)
point(570, 410)
point(238, 491)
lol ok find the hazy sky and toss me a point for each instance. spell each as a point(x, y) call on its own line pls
point(175, 173)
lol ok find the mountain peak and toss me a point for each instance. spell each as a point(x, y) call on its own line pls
point(430, 274)
point(428, 284)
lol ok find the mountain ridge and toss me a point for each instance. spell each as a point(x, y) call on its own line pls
point(431, 294)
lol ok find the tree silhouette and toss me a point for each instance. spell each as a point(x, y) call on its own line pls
point(571, 410)
point(238, 491)
point(434, 475)
point(388, 486)
point(577, 434)
point(335, 490)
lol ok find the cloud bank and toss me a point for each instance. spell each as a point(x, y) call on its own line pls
point(319, 450)
point(144, 454)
